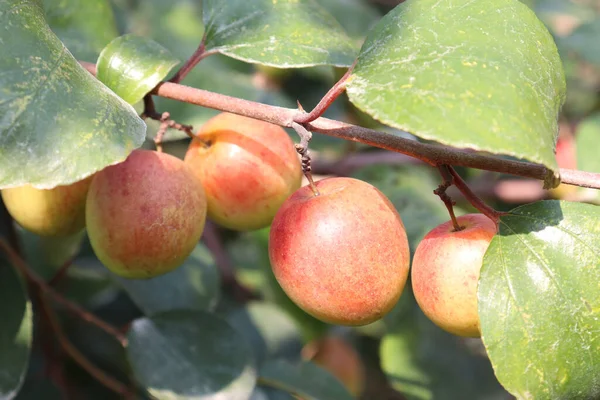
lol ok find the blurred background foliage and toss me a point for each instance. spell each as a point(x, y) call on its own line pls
point(402, 356)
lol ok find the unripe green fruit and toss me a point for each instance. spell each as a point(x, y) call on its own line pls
point(49, 212)
point(341, 256)
point(445, 273)
point(145, 215)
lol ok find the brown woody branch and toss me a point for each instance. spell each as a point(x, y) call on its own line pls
point(430, 153)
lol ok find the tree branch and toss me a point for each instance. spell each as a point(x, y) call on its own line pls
point(430, 153)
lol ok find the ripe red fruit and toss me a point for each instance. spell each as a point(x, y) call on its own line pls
point(145, 215)
point(342, 256)
point(445, 273)
point(248, 169)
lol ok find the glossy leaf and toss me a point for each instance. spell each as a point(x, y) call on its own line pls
point(425, 363)
point(58, 124)
point(269, 331)
point(539, 301)
point(84, 26)
point(303, 379)
point(455, 72)
point(190, 355)
point(133, 65)
point(193, 286)
point(588, 144)
point(282, 33)
point(15, 331)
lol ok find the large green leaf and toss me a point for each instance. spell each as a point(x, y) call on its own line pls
point(281, 33)
point(133, 65)
point(303, 379)
point(539, 301)
point(58, 124)
point(15, 331)
point(190, 355)
point(425, 363)
point(84, 26)
point(484, 75)
point(193, 286)
point(588, 144)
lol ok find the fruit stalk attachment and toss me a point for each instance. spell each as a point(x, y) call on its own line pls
point(441, 192)
point(302, 149)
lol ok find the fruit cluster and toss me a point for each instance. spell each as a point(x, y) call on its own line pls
point(339, 249)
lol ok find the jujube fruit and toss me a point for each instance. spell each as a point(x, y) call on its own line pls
point(248, 169)
point(49, 212)
point(445, 273)
point(145, 215)
point(341, 256)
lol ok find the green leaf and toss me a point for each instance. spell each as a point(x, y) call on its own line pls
point(133, 65)
point(193, 286)
point(303, 379)
point(190, 355)
point(270, 332)
point(587, 144)
point(58, 123)
point(84, 26)
point(15, 331)
point(484, 75)
point(425, 363)
point(539, 301)
point(282, 33)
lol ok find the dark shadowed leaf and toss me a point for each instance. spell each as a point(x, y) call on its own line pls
point(539, 301)
point(193, 286)
point(15, 331)
point(425, 363)
point(190, 355)
point(357, 17)
point(58, 124)
point(455, 72)
point(282, 33)
point(84, 26)
point(133, 65)
point(584, 41)
point(303, 379)
point(269, 330)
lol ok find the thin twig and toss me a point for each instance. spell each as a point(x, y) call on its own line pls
point(62, 271)
point(441, 192)
point(80, 359)
point(211, 239)
point(432, 154)
point(473, 198)
point(198, 55)
point(327, 100)
point(57, 297)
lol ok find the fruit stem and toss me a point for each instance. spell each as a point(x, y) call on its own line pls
point(302, 149)
point(473, 198)
point(441, 192)
point(327, 100)
point(165, 123)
